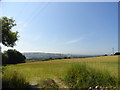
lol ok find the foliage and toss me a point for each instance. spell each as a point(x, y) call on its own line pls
point(82, 76)
point(13, 57)
point(8, 36)
point(117, 53)
point(67, 57)
point(4, 58)
point(14, 80)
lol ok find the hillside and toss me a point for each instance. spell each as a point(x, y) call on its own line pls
point(44, 56)
point(35, 72)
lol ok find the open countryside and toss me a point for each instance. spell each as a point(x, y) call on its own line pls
point(59, 45)
point(36, 72)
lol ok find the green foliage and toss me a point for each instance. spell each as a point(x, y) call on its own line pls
point(13, 80)
point(13, 57)
point(4, 58)
point(67, 57)
point(82, 76)
point(8, 37)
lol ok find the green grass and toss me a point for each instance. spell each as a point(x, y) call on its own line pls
point(13, 79)
point(53, 69)
point(83, 76)
point(40, 71)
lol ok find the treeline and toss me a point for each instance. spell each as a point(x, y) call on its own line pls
point(56, 58)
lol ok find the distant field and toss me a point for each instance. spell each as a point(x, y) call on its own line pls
point(57, 68)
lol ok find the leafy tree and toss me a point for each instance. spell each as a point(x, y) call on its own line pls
point(14, 57)
point(8, 39)
point(8, 36)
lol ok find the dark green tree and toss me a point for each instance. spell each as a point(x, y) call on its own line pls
point(14, 56)
point(8, 36)
point(4, 59)
point(8, 39)
point(117, 53)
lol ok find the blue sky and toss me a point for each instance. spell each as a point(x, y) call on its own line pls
point(65, 27)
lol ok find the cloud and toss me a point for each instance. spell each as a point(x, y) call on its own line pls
point(74, 41)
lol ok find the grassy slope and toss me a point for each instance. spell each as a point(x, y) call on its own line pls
point(57, 68)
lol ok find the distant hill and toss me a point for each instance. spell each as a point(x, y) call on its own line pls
point(46, 56)
point(42, 56)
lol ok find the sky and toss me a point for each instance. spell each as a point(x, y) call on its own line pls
point(87, 28)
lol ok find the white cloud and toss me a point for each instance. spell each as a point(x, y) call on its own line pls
point(74, 41)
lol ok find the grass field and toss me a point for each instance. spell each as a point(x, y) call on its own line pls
point(40, 70)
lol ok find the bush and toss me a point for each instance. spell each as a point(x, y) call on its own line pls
point(82, 76)
point(117, 53)
point(4, 59)
point(13, 80)
point(13, 57)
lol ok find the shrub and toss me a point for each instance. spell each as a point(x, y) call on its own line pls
point(82, 76)
point(13, 80)
point(117, 53)
point(14, 57)
point(4, 59)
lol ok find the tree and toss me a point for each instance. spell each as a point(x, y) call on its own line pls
point(117, 53)
point(8, 36)
point(4, 59)
point(8, 39)
point(14, 57)
point(105, 55)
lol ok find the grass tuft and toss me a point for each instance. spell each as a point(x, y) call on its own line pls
point(14, 80)
point(83, 76)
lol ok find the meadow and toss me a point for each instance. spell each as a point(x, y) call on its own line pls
point(36, 72)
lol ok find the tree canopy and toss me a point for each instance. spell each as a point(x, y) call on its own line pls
point(8, 36)
point(8, 39)
point(117, 53)
point(13, 57)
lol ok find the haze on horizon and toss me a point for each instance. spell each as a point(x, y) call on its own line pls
point(64, 27)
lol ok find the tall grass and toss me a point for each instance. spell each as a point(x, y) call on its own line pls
point(83, 76)
point(13, 80)
point(54, 69)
